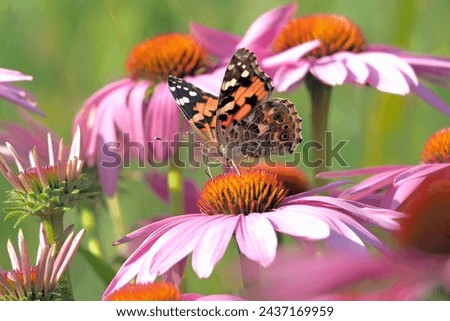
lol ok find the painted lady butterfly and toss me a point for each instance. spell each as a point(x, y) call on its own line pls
point(242, 121)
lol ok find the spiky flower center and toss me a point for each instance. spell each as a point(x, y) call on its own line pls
point(336, 33)
point(252, 191)
point(437, 148)
point(168, 54)
point(51, 174)
point(159, 291)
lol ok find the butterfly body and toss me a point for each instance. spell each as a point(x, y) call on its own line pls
point(241, 122)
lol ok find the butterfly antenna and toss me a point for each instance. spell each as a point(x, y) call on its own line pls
point(233, 164)
point(208, 171)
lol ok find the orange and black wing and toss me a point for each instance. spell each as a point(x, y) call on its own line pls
point(197, 106)
point(245, 86)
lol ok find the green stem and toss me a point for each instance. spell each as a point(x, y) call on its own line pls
point(116, 215)
point(320, 95)
point(89, 223)
point(249, 271)
point(175, 181)
point(54, 230)
point(175, 186)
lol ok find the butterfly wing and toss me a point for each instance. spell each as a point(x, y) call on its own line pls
point(273, 128)
point(197, 106)
point(245, 86)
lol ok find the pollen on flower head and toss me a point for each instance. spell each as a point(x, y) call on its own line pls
point(437, 148)
point(159, 291)
point(167, 54)
point(336, 33)
point(252, 191)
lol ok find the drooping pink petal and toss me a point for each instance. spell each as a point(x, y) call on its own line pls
point(359, 171)
point(88, 113)
point(178, 242)
point(294, 199)
point(219, 43)
point(150, 228)
point(161, 130)
point(108, 168)
point(19, 97)
point(330, 71)
point(299, 220)
point(287, 77)
point(212, 245)
point(431, 98)
point(419, 171)
point(290, 56)
point(136, 112)
point(371, 185)
point(134, 265)
point(8, 75)
point(264, 29)
point(256, 238)
point(389, 73)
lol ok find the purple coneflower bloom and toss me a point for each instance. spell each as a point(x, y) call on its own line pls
point(412, 272)
point(161, 291)
point(398, 182)
point(416, 190)
point(250, 207)
point(14, 94)
point(353, 276)
point(27, 282)
point(332, 50)
point(139, 108)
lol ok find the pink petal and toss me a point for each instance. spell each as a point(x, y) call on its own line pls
point(297, 198)
point(371, 184)
point(161, 121)
point(389, 73)
point(290, 56)
point(264, 29)
point(136, 113)
point(329, 71)
point(430, 97)
point(219, 43)
point(178, 242)
point(287, 77)
point(256, 238)
point(212, 245)
point(420, 171)
point(8, 75)
point(150, 228)
point(360, 171)
point(299, 220)
point(357, 69)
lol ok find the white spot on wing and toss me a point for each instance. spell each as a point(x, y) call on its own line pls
point(186, 100)
point(245, 74)
point(229, 84)
point(172, 88)
point(192, 93)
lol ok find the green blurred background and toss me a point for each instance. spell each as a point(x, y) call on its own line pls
point(73, 48)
